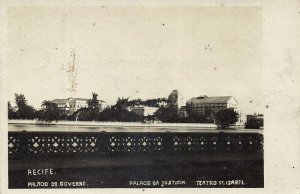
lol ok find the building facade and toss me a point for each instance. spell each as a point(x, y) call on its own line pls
point(215, 104)
point(71, 105)
point(182, 112)
point(255, 121)
point(144, 111)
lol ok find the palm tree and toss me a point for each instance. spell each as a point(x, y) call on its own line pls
point(45, 104)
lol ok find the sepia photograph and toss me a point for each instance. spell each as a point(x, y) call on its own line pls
point(135, 97)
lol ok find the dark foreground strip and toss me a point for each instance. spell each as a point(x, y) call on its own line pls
point(135, 160)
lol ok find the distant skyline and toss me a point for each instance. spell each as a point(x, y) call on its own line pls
point(136, 52)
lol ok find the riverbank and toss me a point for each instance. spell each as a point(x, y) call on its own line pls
point(117, 124)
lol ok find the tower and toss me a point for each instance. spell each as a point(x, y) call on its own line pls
point(175, 99)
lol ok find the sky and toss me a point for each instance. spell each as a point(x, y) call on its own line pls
point(136, 52)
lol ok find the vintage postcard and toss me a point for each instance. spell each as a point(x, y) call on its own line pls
point(144, 96)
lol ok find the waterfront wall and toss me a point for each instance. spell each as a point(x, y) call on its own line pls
point(115, 124)
point(39, 144)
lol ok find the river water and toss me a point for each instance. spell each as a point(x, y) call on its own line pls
point(74, 128)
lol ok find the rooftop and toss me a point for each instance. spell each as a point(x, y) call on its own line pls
point(60, 100)
point(68, 99)
point(213, 99)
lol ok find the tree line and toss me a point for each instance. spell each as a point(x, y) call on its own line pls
point(50, 111)
point(118, 112)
